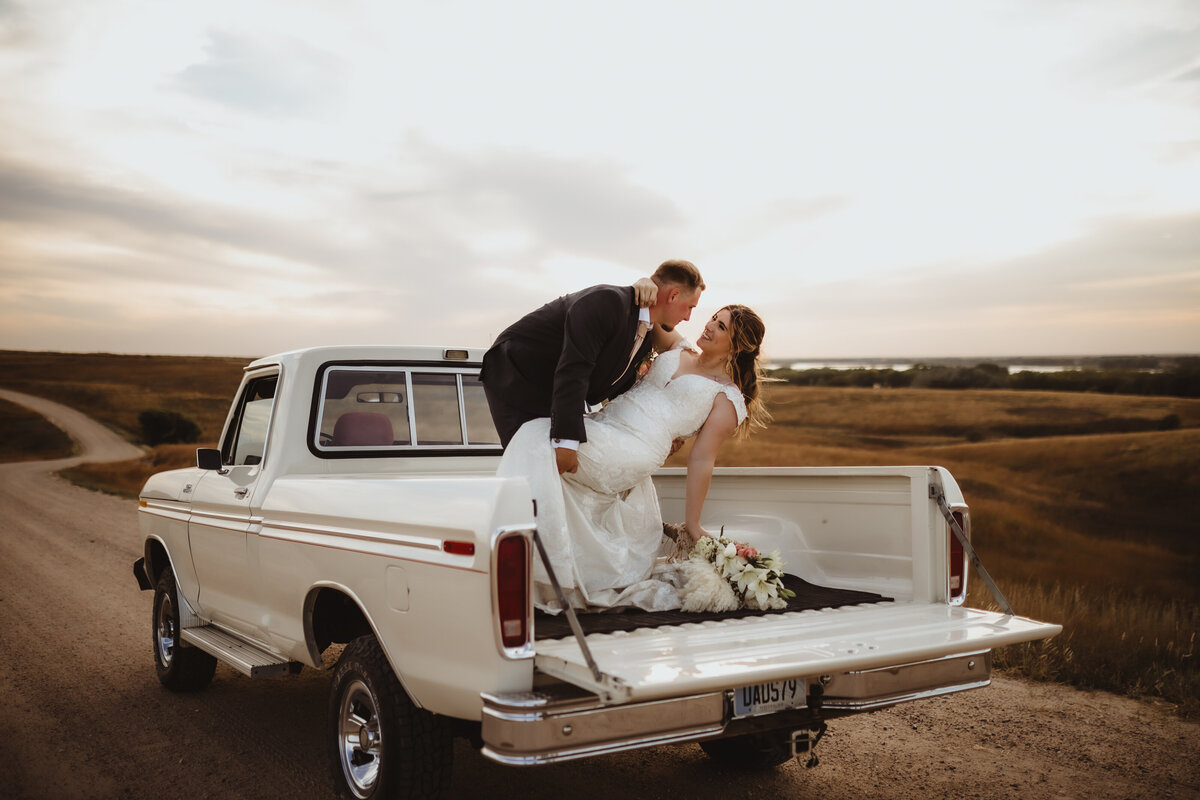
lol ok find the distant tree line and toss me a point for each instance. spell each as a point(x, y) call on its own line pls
point(1180, 379)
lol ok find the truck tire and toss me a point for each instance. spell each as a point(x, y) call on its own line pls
point(381, 745)
point(179, 668)
point(751, 751)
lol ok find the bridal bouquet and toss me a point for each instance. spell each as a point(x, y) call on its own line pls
point(721, 574)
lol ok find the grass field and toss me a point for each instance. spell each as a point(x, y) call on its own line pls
point(27, 435)
point(1084, 507)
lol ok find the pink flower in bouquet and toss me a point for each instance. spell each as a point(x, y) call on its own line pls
point(747, 552)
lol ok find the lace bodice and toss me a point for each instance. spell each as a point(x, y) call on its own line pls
point(631, 436)
point(665, 405)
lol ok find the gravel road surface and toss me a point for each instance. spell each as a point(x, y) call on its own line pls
point(83, 716)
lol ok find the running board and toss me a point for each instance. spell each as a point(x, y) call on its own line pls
point(237, 653)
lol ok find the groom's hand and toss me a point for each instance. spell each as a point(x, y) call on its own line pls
point(645, 292)
point(567, 459)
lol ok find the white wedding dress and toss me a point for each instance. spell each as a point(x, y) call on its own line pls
point(601, 526)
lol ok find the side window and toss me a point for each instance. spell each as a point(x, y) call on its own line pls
point(247, 438)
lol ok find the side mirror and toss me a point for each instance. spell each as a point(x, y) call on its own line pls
point(208, 458)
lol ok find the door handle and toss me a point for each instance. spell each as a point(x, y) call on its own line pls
point(242, 491)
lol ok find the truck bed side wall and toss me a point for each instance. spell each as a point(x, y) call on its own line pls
point(379, 539)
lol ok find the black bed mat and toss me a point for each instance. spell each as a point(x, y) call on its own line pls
point(809, 597)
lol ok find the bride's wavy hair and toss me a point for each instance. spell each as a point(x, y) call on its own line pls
point(746, 330)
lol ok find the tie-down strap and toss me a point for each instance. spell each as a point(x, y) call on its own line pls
point(936, 492)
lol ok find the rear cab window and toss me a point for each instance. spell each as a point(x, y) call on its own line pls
point(396, 409)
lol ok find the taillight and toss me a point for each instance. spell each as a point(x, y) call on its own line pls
point(512, 590)
point(958, 562)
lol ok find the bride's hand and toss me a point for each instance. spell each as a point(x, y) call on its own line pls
point(695, 532)
point(645, 292)
point(566, 459)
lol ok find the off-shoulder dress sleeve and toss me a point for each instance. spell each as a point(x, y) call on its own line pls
point(739, 402)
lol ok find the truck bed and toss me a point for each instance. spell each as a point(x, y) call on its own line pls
point(809, 597)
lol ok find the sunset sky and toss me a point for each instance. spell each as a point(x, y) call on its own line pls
point(877, 179)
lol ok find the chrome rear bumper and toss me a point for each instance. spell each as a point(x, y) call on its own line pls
point(863, 690)
point(560, 722)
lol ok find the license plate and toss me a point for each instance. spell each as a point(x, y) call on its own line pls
point(767, 698)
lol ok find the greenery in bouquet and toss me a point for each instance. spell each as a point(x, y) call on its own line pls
point(721, 574)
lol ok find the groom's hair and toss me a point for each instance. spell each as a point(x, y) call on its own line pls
point(679, 273)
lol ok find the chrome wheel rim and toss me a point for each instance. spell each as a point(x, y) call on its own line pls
point(359, 738)
point(164, 634)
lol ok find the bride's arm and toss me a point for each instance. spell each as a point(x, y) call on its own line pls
point(664, 340)
point(721, 423)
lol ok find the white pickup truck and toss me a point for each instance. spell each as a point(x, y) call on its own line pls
point(353, 508)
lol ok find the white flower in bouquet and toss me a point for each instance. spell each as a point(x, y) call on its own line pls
point(729, 564)
point(759, 590)
point(705, 548)
point(772, 562)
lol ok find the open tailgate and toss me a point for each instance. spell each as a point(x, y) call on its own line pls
point(652, 663)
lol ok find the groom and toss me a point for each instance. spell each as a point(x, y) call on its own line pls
point(580, 348)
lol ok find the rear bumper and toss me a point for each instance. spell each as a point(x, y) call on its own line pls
point(562, 722)
point(868, 689)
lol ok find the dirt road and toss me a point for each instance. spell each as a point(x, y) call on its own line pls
point(82, 715)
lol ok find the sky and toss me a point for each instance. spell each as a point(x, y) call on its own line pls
point(875, 178)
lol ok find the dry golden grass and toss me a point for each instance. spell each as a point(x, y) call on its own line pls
point(126, 478)
point(1084, 506)
point(1113, 641)
point(26, 435)
point(115, 389)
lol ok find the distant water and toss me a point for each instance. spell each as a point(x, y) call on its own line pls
point(900, 367)
point(803, 365)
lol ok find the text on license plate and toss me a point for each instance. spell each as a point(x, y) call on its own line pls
point(767, 698)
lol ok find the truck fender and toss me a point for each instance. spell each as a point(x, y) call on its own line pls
point(147, 568)
point(340, 593)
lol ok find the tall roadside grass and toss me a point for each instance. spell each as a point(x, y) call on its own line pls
point(1115, 641)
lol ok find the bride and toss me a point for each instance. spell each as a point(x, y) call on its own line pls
point(601, 525)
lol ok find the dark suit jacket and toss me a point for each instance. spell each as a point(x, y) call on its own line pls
point(550, 361)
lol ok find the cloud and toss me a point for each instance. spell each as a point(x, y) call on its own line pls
point(395, 245)
point(776, 215)
point(50, 205)
point(1125, 286)
point(15, 28)
point(584, 206)
point(273, 76)
point(1149, 47)
point(311, 177)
